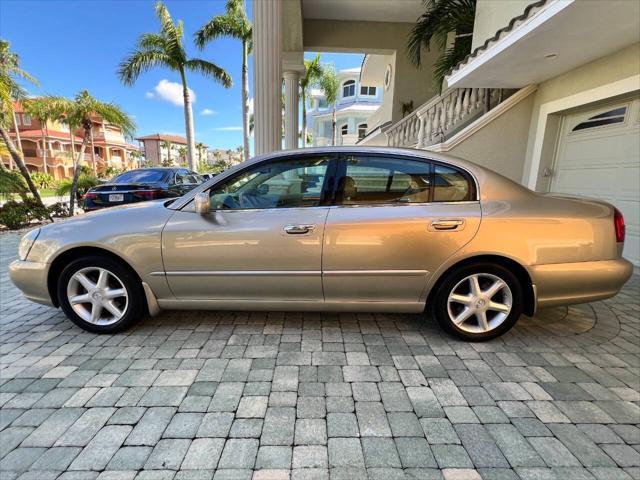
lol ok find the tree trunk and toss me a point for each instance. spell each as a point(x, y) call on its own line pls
point(188, 123)
point(245, 99)
point(18, 140)
point(76, 176)
point(44, 149)
point(333, 126)
point(303, 98)
point(19, 161)
point(93, 151)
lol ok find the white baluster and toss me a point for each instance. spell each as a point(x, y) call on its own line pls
point(428, 129)
point(451, 109)
point(476, 95)
point(458, 112)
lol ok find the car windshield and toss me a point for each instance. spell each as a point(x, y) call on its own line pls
point(137, 176)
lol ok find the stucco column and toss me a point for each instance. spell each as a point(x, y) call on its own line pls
point(291, 100)
point(267, 76)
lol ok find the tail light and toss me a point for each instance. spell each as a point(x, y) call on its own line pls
point(148, 194)
point(618, 222)
point(90, 196)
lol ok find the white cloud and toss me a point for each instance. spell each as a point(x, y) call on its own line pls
point(207, 111)
point(170, 92)
point(228, 129)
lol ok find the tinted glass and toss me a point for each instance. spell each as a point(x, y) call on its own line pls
point(286, 184)
point(381, 180)
point(135, 176)
point(450, 185)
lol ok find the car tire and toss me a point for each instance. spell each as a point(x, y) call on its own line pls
point(101, 302)
point(481, 309)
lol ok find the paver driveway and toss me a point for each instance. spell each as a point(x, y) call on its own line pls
point(231, 395)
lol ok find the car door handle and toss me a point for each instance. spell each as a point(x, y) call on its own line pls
point(298, 229)
point(448, 224)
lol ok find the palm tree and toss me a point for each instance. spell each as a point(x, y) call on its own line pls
point(166, 49)
point(10, 91)
point(79, 112)
point(200, 147)
point(329, 84)
point(234, 23)
point(442, 17)
point(182, 153)
point(167, 145)
point(312, 71)
point(43, 109)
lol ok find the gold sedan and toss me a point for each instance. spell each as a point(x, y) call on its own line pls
point(334, 229)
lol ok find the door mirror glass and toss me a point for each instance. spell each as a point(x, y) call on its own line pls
point(201, 203)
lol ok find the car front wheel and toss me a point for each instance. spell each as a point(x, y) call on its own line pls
point(478, 302)
point(100, 295)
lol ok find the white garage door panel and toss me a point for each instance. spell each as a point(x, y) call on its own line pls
point(603, 161)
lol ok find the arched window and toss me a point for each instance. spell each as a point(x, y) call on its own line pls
point(344, 129)
point(349, 88)
point(362, 131)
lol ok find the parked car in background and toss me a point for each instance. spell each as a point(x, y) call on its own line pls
point(140, 185)
point(334, 229)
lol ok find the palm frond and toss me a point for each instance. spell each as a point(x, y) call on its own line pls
point(441, 18)
point(329, 84)
point(141, 61)
point(229, 25)
point(209, 69)
point(171, 32)
point(151, 41)
point(449, 59)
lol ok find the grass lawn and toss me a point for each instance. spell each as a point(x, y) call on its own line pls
point(48, 192)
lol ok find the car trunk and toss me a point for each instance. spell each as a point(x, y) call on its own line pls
point(121, 193)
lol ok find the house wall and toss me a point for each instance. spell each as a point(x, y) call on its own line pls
point(605, 78)
point(386, 38)
point(152, 152)
point(509, 132)
point(492, 15)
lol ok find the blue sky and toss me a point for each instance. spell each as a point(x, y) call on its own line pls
point(73, 45)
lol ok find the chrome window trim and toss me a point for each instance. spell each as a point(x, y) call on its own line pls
point(335, 151)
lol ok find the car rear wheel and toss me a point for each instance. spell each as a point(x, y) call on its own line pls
point(478, 302)
point(100, 295)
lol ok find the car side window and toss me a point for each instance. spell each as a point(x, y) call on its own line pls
point(281, 184)
point(180, 177)
point(372, 180)
point(450, 185)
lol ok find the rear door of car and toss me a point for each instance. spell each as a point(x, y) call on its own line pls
point(396, 220)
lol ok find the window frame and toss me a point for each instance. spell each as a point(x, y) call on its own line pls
point(341, 172)
point(348, 84)
point(330, 187)
point(367, 92)
point(327, 190)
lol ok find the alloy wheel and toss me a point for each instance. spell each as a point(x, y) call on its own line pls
point(97, 296)
point(479, 303)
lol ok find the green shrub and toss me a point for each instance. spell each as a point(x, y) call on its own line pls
point(18, 214)
point(85, 182)
point(43, 180)
point(59, 209)
point(12, 182)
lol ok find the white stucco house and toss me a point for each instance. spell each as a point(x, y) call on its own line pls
point(357, 102)
point(549, 95)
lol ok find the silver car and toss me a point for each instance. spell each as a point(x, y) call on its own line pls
point(334, 229)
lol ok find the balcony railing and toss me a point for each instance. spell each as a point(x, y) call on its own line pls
point(442, 116)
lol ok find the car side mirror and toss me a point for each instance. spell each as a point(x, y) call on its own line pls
point(201, 203)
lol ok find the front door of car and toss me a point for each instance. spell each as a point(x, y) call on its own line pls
point(185, 181)
point(262, 240)
point(396, 220)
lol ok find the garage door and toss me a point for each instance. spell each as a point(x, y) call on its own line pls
point(598, 156)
